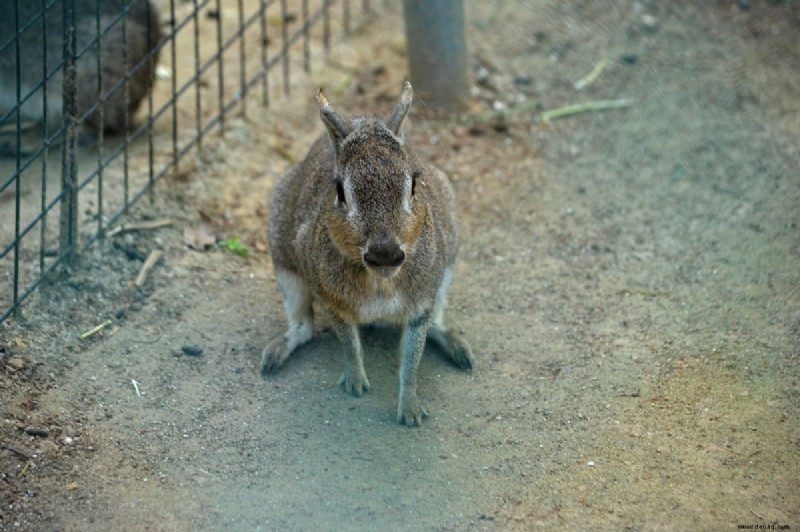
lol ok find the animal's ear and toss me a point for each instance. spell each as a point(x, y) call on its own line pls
point(395, 122)
point(338, 128)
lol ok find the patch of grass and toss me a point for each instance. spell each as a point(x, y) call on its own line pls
point(234, 245)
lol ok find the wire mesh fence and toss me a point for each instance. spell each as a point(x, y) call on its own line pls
point(82, 135)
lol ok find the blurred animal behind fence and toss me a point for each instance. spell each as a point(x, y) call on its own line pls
point(371, 233)
point(116, 56)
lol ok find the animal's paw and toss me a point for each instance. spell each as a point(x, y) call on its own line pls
point(354, 380)
point(460, 352)
point(454, 347)
point(410, 412)
point(274, 355)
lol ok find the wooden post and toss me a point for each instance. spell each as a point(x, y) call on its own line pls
point(437, 53)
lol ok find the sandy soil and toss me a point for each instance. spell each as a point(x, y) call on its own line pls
point(628, 281)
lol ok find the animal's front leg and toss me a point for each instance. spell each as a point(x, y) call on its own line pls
point(299, 313)
point(354, 378)
point(409, 411)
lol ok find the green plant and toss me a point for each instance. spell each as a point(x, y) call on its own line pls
point(234, 245)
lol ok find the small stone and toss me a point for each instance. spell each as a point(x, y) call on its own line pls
point(163, 72)
point(16, 363)
point(590, 463)
point(191, 350)
point(523, 80)
point(72, 486)
point(33, 431)
point(649, 22)
point(134, 253)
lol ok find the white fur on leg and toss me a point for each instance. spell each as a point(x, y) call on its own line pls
point(441, 299)
point(297, 304)
point(299, 314)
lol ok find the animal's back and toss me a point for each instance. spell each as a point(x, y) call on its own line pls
point(444, 206)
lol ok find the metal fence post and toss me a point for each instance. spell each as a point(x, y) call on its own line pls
point(68, 227)
point(437, 52)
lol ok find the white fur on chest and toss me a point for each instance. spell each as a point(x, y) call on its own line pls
point(382, 307)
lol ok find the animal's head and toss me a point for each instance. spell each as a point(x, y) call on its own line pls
point(376, 210)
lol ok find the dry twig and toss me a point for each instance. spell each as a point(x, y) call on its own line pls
point(592, 76)
point(153, 224)
point(600, 105)
point(95, 330)
point(25, 469)
point(151, 261)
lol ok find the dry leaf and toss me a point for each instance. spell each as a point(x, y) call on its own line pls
point(199, 238)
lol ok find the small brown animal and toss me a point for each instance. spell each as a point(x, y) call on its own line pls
point(129, 29)
point(372, 234)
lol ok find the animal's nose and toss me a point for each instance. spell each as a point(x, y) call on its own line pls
point(384, 255)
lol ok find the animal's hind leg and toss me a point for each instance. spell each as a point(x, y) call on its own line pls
point(452, 344)
point(299, 313)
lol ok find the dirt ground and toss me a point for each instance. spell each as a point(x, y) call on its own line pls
point(628, 281)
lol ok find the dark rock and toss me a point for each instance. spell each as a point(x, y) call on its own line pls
point(191, 350)
point(41, 433)
point(629, 59)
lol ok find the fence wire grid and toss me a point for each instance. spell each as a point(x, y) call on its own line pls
point(77, 116)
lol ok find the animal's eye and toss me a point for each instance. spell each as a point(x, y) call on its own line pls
point(340, 192)
point(416, 175)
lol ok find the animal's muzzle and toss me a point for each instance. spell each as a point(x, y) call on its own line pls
point(384, 255)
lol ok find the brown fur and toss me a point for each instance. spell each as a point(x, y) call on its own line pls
point(142, 31)
point(323, 246)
